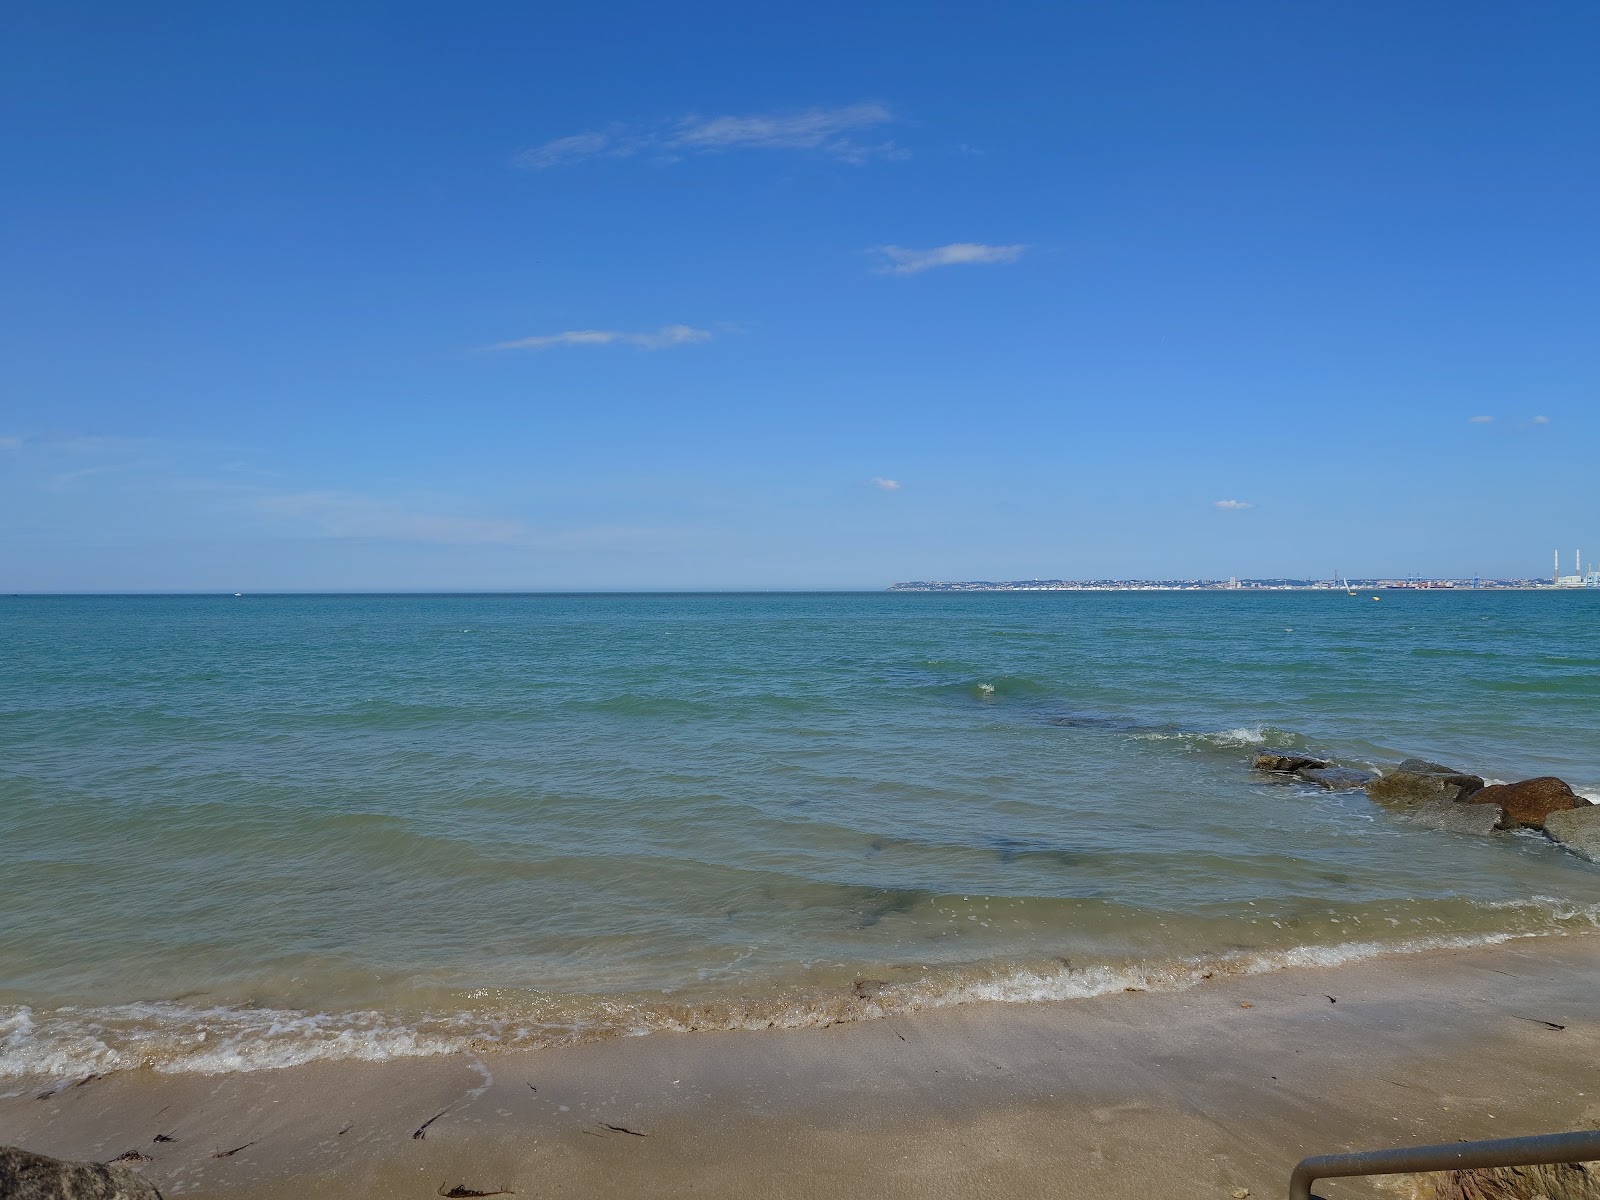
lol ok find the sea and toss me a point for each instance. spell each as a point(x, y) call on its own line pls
point(240, 833)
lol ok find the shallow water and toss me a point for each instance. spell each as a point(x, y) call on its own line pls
point(247, 832)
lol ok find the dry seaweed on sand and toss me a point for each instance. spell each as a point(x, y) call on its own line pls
point(421, 1131)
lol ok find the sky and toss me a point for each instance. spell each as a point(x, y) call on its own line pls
point(390, 296)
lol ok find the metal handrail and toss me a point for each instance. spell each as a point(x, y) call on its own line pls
point(1452, 1156)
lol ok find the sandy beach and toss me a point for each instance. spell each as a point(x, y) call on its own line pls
point(1199, 1092)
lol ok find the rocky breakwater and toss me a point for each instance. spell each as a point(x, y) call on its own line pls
point(1440, 797)
point(1315, 770)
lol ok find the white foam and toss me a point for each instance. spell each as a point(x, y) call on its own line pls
point(478, 1065)
point(173, 1038)
point(1243, 736)
point(1240, 737)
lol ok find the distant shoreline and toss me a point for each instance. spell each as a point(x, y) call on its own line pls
point(1232, 585)
point(975, 585)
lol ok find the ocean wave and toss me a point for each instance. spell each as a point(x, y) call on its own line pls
point(170, 1037)
point(1238, 737)
point(1224, 739)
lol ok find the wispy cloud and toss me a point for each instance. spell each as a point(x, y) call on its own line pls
point(345, 515)
point(899, 260)
point(1479, 420)
point(10, 443)
point(1232, 505)
point(1541, 420)
point(830, 131)
point(824, 129)
point(888, 485)
point(661, 339)
point(67, 478)
point(567, 150)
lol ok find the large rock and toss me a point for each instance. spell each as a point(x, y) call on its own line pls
point(1417, 782)
point(1423, 766)
point(1479, 819)
point(1335, 779)
point(1287, 764)
point(1529, 802)
point(25, 1175)
point(1578, 829)
point(1558, 1181)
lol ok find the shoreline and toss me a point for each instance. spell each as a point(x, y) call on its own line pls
point(1220, 1086)
point(45, 1048)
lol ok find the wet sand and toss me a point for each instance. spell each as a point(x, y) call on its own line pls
point(1182, 1094)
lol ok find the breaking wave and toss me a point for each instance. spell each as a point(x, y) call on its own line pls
point(1225, 739)
point(169, 1037)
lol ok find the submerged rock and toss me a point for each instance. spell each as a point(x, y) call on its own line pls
point(1287, 764)
point(1335, 779)
point(1530, 801)
point(1418, 781)
point(1578, 829)
point(28, 1176)
point(1480, 819)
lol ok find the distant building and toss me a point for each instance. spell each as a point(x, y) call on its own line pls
point(1576, 579)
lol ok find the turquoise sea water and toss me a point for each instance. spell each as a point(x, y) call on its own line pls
point(245, 832)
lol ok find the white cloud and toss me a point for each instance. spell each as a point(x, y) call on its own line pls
point(902, 261)
point(1479, 420)
point(813, 129)
point(10, 443)
point(823, 130)
point(888, 485)
point(1232, 505)
point(660, 339)
point(1541, 420)
point(343, 515)
point(562, 151)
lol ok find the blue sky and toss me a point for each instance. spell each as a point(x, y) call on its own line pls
point(398, 295)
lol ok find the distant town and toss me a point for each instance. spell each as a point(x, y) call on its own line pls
point(1578, 579)
point(1216, 585)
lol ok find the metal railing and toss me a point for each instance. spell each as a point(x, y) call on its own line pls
point(1452, 1156)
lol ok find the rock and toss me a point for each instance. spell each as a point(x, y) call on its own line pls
point(1480, 819)
point(1529, 802)
point(1558, 1181)
point(1418, 781)
point(28, 1176)
point(1335, 779)
point(1423, 766)
point(1578, 829)
point(1286, 763)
